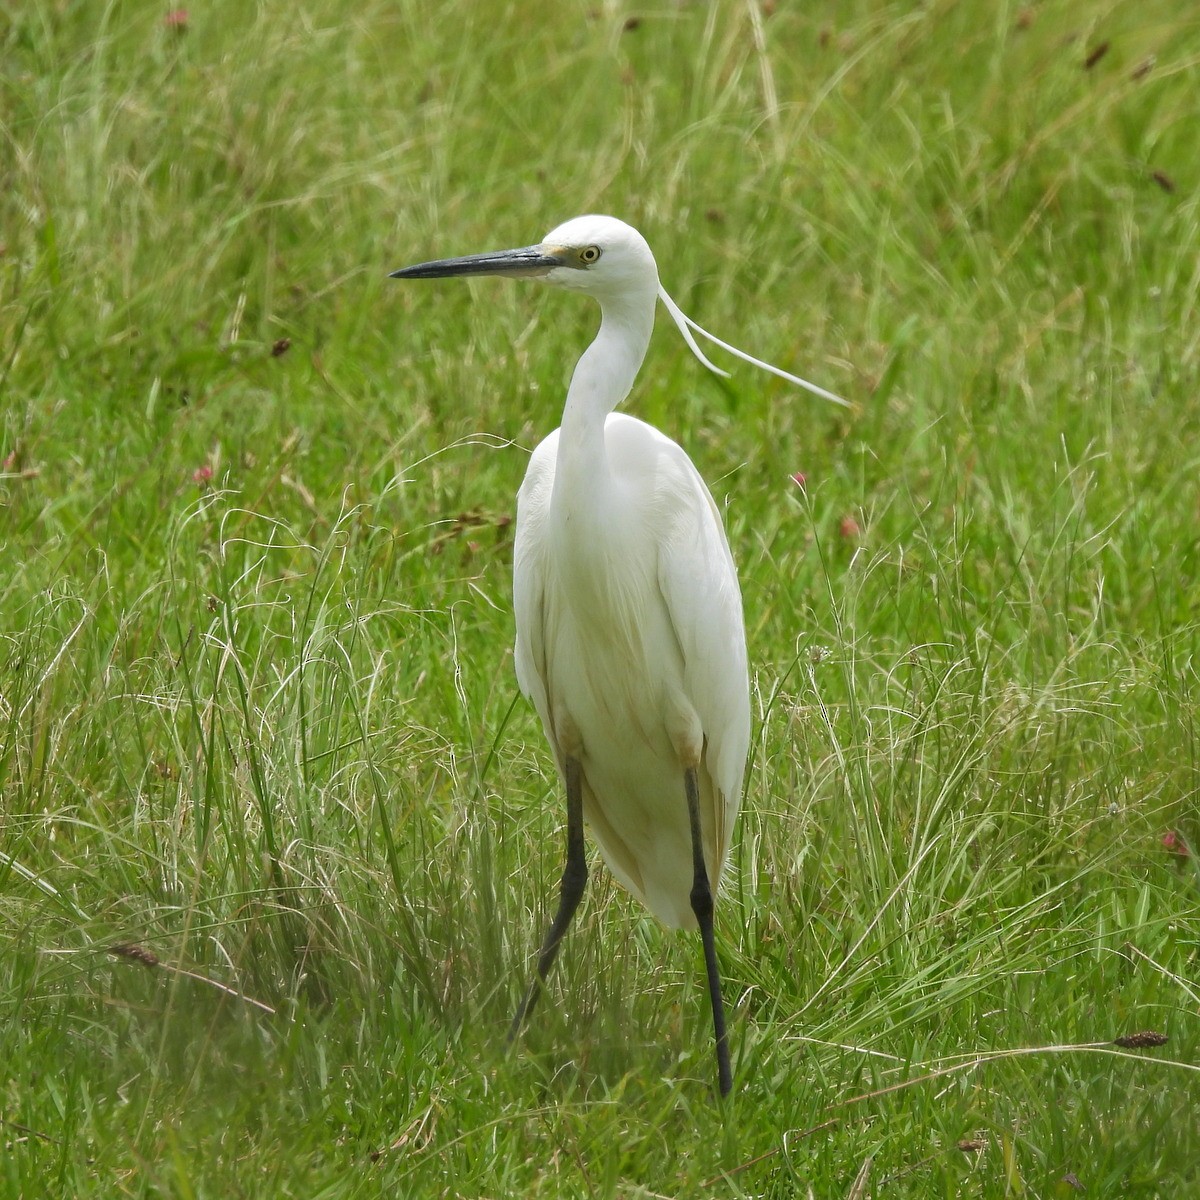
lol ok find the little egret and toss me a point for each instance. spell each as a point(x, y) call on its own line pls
point(630, 639)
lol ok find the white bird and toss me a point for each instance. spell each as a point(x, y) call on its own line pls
point(630, 638)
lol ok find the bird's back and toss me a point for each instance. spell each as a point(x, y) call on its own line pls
point(630, 643)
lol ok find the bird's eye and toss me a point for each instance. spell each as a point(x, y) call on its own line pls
point(589, 254)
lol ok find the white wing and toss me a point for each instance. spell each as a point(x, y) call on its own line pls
point(533, 504)
point(699, 583)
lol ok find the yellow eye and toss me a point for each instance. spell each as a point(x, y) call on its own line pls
point(589, 255)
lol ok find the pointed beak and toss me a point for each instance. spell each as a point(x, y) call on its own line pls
point(529, 262)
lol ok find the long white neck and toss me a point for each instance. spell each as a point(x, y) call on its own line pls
point(602, 379)
point(588, 521)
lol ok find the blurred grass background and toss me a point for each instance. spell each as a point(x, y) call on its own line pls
point(257, 714)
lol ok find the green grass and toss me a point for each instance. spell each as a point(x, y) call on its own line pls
point(256, 695)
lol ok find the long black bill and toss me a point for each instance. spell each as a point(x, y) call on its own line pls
point(527, 262)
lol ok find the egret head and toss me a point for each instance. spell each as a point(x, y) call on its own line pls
point(600, 257)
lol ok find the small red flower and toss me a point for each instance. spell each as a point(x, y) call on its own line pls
point(177, 18)
point(1173, 843)
point(849, 528)
point(799, 479)
point(202, 474)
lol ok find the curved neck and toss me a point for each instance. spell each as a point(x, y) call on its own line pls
point(602, 379)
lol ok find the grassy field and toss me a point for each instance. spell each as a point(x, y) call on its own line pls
point(259, 730)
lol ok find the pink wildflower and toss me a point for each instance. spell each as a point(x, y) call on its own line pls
point(1173, 843)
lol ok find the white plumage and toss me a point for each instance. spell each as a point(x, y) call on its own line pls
point(630, 640)
point(631, 646)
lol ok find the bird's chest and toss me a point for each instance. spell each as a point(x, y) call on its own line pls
point(610, 650)
point(610, 655)
point(603, 569)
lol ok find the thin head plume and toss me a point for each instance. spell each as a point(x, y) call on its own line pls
point(685, 324)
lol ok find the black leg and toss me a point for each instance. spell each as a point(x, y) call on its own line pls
point(702, 906)
point(574, 880)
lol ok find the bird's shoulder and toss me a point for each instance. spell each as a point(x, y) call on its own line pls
point(632, 441)
point(668, 489)
point(637, 452)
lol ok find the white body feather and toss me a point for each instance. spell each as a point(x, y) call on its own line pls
point(630, 644)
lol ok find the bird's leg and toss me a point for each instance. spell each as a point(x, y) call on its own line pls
point(702, 906)
point(574, 880)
